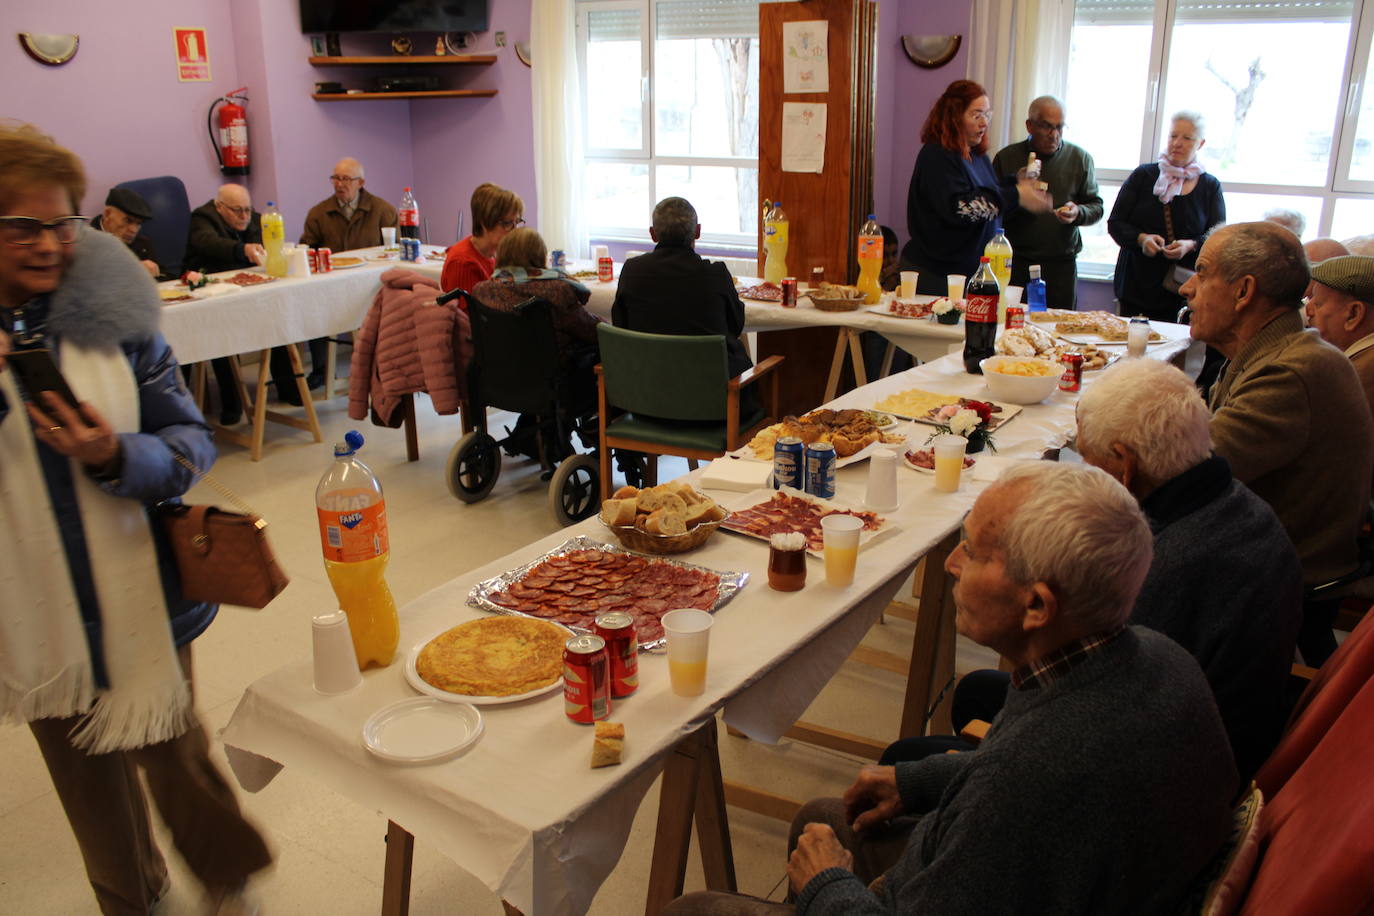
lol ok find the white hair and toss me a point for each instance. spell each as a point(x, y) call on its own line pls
point(1194, 118)
point(1152, 408)
point(1081, 532)
point(1291, 220)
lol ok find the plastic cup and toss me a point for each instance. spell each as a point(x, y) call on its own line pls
point(882, 481)
point(956, 286)
point(949, 462)
point(841, 533)
point(388, 236)
point(601, 251)
point(1013, 296)
point(908, 285)
point(689, 636)
point(336, 664)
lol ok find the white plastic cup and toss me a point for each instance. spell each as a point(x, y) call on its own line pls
point(298, 262)
point(689, 637)
point(601, 251)
point(388, 236)
point(882, 481)
point(908, 290)
point(956, 286)
point(1013, 296)
point(632, 254)
point(949, 462)
point(336, 664)
point(841, 534)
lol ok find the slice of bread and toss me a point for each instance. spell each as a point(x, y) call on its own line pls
point(684, 489)
point(618, 512)
point(659, 498)
point(667, 520)
point(607, 744)
point(626, 492)
point(700, 512)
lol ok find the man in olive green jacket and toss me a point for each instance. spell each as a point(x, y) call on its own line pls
point(1288, 411)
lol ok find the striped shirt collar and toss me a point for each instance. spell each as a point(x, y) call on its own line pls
point(1048, 668)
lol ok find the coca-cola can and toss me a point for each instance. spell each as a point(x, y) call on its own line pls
point(312, 257)
point(789, 292)
point(1016, 317)
point(1072, 379)
point(586, 679)
point(605, 269)
point(622, 649)
point(324, 260)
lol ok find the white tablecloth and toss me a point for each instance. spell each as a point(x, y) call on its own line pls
point(521, 810)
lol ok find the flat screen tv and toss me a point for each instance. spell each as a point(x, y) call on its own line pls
point(403, 16)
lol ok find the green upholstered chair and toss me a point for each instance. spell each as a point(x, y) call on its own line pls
point(665, 394)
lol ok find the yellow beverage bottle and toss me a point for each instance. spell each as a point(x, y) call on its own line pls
point(274, 240)
point(998, 251)
point(870, 261)
point(774, 242)
point(353, 536)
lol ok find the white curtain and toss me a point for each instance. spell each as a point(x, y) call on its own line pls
point(557, 112)
point(1018, 50)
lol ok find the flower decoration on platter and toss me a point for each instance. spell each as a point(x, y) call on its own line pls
point(969, 419)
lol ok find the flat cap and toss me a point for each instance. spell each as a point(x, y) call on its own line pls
point(131, 202)
point(1349, 273)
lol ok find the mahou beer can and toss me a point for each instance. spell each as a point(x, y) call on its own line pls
point(605, 269)
point(1072, 379)
point(622, 650)
point(586, 679)
point(820, 470)
point(1016, 317)
point(324, 260)
point(558, 259)
point(789, 292)
point(789, 463)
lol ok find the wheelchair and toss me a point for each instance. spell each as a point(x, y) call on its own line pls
point(515, 366)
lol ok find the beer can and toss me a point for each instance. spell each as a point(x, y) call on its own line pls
point(557, 258)
point(324, 260)
point(605, 269)
point(410, 249)
point(789, 292)
point(312, 256)
point(1016, 317)
point(586, 679)
point(1072, 379)
point(820, 470)
point(622, 650)
point(789, 463)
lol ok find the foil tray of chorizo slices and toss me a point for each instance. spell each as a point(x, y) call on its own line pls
point(583, 578)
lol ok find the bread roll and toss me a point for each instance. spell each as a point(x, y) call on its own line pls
point(660, 497)
point(618, 512)
point(684, 489)
point(607, 744)
point(700, 512)
point(667, 520)
point(626, 492)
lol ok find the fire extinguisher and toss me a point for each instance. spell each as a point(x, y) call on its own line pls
point(231, 144)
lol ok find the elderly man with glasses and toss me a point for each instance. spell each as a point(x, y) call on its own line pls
point(226, 233)
point(1051, 239)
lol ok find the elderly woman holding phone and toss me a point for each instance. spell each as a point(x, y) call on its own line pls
point(1163, 211)
point(955, 197)
point(94, 634)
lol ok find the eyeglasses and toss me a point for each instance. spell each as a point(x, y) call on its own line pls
point(237, 211)
point(510, 223)
point(982, 116)
point(25, 230)
point(343, 179)
point(1047, 126)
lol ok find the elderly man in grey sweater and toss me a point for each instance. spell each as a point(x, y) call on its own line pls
point(1104, 785)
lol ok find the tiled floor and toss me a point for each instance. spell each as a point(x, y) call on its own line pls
point(329, 849)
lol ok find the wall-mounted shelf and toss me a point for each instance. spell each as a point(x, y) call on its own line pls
point(424, 94)
point(403, 59)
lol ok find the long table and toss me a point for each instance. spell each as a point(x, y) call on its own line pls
point(521, 810)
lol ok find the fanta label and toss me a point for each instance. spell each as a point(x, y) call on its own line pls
point(354, 535)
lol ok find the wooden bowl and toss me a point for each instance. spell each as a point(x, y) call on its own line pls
point(662, 544)
point(837, 304)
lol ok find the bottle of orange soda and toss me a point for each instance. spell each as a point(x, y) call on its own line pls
point(870, 260)
point(353, 536)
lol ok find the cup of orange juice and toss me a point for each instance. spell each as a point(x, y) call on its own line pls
point(841, 536)
point(689, 636)
point(949, 462)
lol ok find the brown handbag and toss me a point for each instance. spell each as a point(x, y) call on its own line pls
point(222, 557)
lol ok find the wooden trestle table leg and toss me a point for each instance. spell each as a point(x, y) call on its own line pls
point(400, 851)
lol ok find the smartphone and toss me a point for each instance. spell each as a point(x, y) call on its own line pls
point(37, 372)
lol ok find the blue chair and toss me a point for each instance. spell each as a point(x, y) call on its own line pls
point(166, 197)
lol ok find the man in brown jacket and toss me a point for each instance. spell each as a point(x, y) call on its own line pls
point(1288, 411)
point(1340, 305)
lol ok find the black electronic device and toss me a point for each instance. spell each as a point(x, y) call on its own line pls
point(407, 83)
point(36, 373)
point(329, 88)
point(389, 16)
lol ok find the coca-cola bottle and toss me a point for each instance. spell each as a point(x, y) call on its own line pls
point(408, 216)
point(980, 316)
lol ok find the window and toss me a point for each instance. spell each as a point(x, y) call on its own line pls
point(1281, 86)
point(677, 115)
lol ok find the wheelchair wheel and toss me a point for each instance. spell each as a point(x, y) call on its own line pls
point(473, 466)
point(575, 491)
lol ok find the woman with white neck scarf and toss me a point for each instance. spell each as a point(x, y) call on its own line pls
point(1159, 219)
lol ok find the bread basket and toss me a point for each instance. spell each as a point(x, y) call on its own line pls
point(836, 304)
point(662, 544)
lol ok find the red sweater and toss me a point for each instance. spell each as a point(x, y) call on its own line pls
point(465, 267)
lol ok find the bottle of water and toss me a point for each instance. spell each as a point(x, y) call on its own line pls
point(870, 261)
point(274, 240)
point(408, 216)
point(1035, 290)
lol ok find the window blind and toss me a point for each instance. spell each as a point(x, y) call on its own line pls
point(1141, 12)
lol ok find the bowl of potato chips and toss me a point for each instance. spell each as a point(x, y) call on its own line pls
point(1021, 379)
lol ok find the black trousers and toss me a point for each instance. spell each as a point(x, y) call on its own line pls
point(978, 695)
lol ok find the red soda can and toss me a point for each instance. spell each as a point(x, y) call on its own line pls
point(1072, 379)
point(586, 679)
point(313, 257)
point(622, 649)
point(323, 259)
point(1016, 317)
point(789, 292)
point(605, 269)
